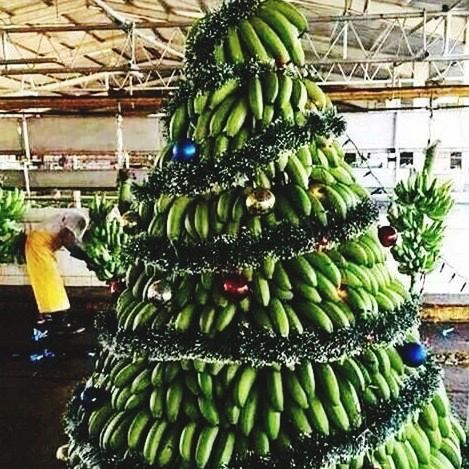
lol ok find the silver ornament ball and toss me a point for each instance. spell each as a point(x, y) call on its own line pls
point(130, 222)
point(159, 291)
point(260, 201)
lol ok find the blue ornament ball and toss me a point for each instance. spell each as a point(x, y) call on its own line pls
point(413, 354)
point(185, 150)
point(92, 398)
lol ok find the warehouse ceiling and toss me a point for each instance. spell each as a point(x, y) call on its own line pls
point(112, 47)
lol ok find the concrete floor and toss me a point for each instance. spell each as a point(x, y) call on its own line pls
point(33, 394)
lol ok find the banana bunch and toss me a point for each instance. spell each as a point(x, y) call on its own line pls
point(321, 185)
point(104, 240)
point(426, 194)
point(273, 34)
point(325, 290)
point(315, 190)
point(224, 119)
point(418, 212)
point(434, 440)
point(201, 414)
point(12, 209)
point(191, 219)
point(99, 208)
point(12, 204)
point(197, 303)
point(201, 305)
point(135, 310)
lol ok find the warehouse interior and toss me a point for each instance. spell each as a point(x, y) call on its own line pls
point(83, 86)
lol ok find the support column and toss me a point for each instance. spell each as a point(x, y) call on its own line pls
point(27, 153)
point(465, 100)
point(122, 156)
point(396, 146)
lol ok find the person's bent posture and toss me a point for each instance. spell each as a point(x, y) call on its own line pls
point(64, 229)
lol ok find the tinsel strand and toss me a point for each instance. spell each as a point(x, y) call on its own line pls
point(260, 348)
point(379, 424)
point(229, 253)
point(234, 167)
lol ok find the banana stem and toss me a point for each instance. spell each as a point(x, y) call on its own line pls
point(430, 155)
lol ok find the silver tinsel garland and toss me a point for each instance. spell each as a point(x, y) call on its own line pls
point(246, 344)
point(229, 253)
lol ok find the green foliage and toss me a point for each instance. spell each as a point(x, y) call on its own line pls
point(12, 209)
point(418, 213)
point(104, 240)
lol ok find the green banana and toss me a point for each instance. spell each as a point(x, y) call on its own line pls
point(270, 40)
point(233, 46)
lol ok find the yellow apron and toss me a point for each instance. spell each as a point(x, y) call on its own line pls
point(41, 264)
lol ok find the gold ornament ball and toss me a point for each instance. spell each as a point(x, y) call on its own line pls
point(130, 221)
point(159, 291)
point(260, 201)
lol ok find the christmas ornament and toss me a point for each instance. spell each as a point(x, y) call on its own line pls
point(260, 201)
point(236, 287)
point(159, 292)
point(185, 150)
point(387, 235)
point(413, 354)
point(323, 241)
point(130, 222)
point(116, 287)
point(92, 397)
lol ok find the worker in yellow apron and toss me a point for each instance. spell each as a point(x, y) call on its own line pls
point(64, 230)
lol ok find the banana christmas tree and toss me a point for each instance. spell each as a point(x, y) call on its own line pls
point(259, 326)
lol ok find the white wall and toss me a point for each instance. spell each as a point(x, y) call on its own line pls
point(408, 129)
point(371, 131)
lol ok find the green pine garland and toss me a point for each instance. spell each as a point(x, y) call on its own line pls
point(379, 424)
point(229, 253)
point(234, 167)
point(261, 348)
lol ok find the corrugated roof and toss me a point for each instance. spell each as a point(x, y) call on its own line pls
point(84, 46)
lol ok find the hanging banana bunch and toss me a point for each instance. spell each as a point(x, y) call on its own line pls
point(104, 240)
point(418, 212)
point(12, 209)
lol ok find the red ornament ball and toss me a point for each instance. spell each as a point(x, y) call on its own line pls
point(236, 287)
point(116, 287)
point(387, 235)
point(323, 241)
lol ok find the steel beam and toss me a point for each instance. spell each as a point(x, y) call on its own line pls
point(409, 92)
point(127, 24)
point(85, 70)
point(396, 60)
point(153, 103)
point(56, 28)
point(79, 103)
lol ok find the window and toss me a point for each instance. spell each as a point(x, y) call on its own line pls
point(390, 158)
point(455, 161)
point(350, 158)
point(407, 159)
